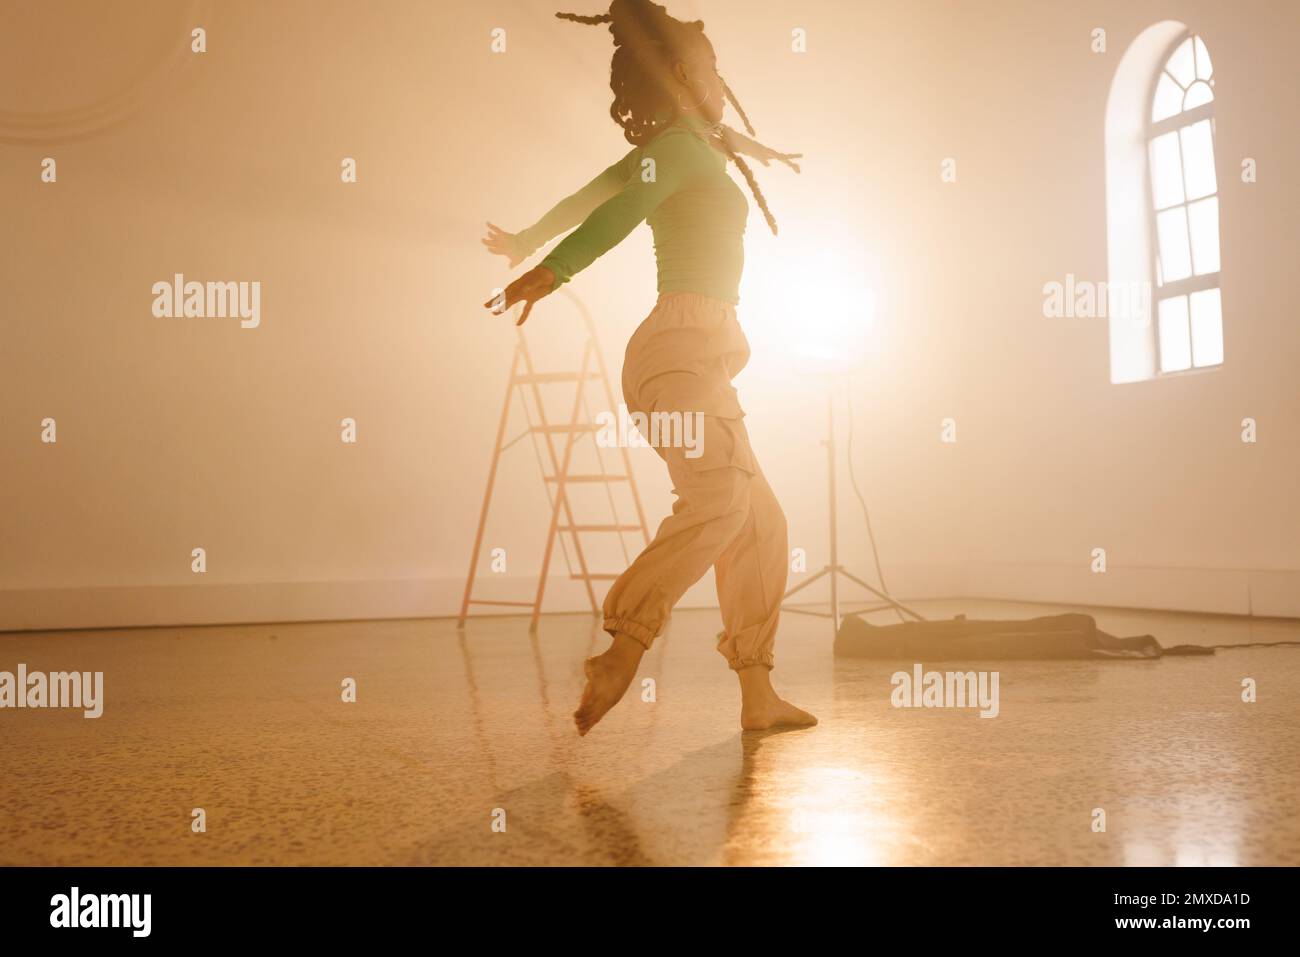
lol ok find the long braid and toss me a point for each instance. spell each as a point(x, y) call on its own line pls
point(645, 38)
point(753, 183)
point(735, 103)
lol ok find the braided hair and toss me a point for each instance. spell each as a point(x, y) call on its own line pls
point(647, 42)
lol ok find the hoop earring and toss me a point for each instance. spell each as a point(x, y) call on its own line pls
point(687, 109)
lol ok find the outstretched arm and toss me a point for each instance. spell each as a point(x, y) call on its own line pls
point(566, 214)
point(664, 167)
point(676, 156)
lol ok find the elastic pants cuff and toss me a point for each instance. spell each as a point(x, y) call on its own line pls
point(638, 632)
point(766, 659)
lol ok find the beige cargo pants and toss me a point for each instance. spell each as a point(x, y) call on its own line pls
point(682, 359)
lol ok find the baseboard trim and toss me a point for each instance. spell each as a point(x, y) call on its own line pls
point(1257, 592)
point(1263, 593)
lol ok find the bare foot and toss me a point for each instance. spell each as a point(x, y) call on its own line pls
point(779, 713)
point(608, 677)
point(762, 708)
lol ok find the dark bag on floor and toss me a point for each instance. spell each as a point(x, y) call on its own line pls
point(1072, 636)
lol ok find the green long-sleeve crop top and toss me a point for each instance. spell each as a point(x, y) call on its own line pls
point(679, 184)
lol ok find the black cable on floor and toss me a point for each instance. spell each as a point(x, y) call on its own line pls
point(880, 575)
point(1257, 644)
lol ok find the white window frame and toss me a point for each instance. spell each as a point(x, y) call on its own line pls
point(1162, 290)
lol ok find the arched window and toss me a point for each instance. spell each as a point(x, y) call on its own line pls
point(1162, 207)
point(1184, 206)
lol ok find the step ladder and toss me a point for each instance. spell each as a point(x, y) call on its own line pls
point(527, 382)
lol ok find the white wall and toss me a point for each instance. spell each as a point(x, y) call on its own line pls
point(1060, 461)
point(182, 433)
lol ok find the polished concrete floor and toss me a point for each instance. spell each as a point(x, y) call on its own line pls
point(449, 731)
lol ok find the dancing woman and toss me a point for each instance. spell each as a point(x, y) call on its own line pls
point(668, 99)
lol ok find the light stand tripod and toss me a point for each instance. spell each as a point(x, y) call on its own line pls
point(834, 569)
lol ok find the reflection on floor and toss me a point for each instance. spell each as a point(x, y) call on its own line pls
point(247, 723)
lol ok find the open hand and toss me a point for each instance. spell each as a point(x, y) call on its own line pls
point(501, 243)
point(788, 159)
point(763, 154)
point(533, 285)
point(753, 148)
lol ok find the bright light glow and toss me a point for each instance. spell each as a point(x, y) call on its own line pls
point(818, 312)
point(833, 820)
point(837, 328)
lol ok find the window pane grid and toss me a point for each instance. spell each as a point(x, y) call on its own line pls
point(1185, 212)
